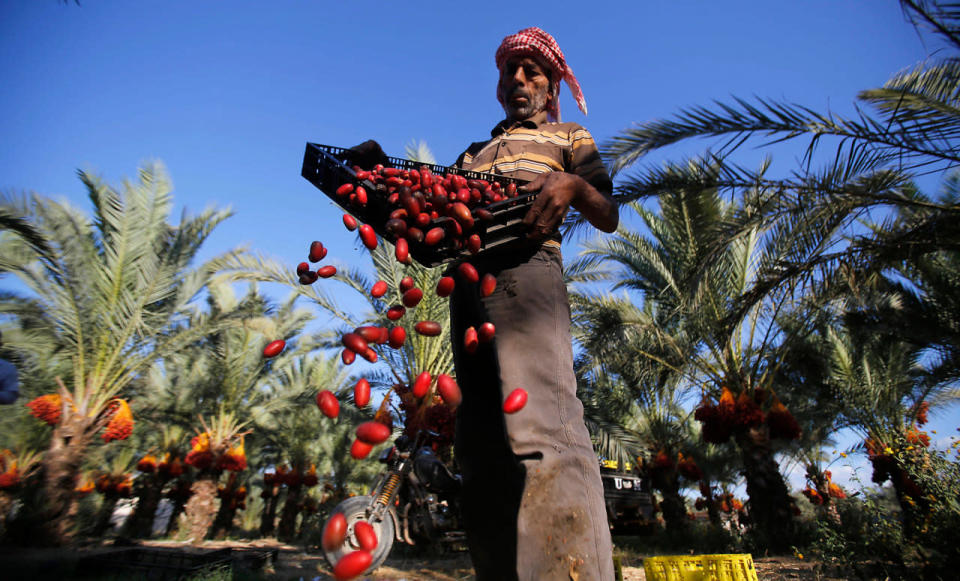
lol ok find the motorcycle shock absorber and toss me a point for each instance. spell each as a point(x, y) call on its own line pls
point(386, 495)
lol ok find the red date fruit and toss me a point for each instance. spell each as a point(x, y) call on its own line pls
point(395, 312)
point(361, 393)
point(334, 532)
point(470, 340)
point(359, 449)
point(326, 271)
point(352, 565)
point(485, 332)
point(468, 272)
point(487, 285)
point(474, 243)
point(308, 278)
point(379, 289)
point(361, 196)
point(415, 234)
point(370, 355)
point(412, 297)
point(428, 328)
point(366, 536)
point(396, 226)
point(449, 390)
point(515, 401)
point(397, 337)
point(328, 403)
point(368, 236)
point(402, 251)
point(445, 286)
point(373, 432)
point(347, 356)
point(461, 213)
point(354, 342)
point(302, 268)
point(434, 236)
point(350, 222)
point(317, 251)
point(421, 385)
point(344, 189)
point(274, 348)
point(483, 214)
point(406, 283)
point(370, 333)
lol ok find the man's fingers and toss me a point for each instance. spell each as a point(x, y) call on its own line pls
point(536, 209)
point(535, 185)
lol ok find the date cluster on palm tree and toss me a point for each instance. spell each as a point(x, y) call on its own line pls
point(116, 414)
point(821, 487)
point(686, 466)
point(426, 414)
point(114, 485)
point(731, 415)
point(291, 477)
point(235, 497)
point(205, 454)
point(9, 473)
point(46, 408)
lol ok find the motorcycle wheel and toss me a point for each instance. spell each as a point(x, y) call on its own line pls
point(355, 510)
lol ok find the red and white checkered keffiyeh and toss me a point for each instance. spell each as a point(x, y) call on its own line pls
point(539, 43)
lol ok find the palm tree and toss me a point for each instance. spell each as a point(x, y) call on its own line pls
point(112, 293)
point(226, 374)
point(687, 337)
point(814, 215)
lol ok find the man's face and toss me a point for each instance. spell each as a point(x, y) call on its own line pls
point(525, 87)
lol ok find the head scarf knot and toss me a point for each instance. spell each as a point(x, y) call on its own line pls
point(536, 42)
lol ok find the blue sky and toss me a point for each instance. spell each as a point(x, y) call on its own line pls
point(226, 94)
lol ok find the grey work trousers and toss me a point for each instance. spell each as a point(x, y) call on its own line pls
point(532, 496)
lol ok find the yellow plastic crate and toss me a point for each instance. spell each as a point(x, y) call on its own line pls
point(700, 568)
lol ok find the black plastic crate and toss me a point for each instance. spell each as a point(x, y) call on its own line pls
point(160, 564)
point(325, 168)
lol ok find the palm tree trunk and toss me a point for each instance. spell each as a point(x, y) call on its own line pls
point(201, 507)
point(769, 508)
point(674, 509)
point(287, 529)
point(107, 507)
point(228, 508)
point(61, 467)
point(140, 525)
point(178, 506)
point(269, 517)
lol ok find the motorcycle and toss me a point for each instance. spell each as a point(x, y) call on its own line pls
point(414, 502)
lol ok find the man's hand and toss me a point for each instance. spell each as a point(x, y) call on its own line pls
point(559, 191)
point(366, 155)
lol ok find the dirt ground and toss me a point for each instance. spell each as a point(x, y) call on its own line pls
point(294, 564)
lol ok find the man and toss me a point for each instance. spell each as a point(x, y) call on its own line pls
point(9, 386)
point(532, 496)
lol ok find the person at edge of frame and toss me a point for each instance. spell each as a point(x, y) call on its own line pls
point(532, 497)
point(9, 382)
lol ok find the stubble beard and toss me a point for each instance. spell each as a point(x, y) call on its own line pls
point(535, 104)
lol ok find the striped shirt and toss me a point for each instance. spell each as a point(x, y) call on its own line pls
point(524, 149)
